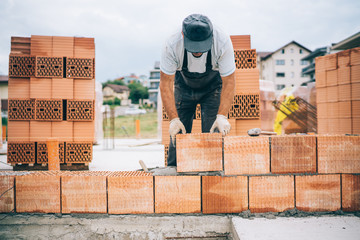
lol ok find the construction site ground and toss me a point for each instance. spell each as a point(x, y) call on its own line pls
point(125, 156)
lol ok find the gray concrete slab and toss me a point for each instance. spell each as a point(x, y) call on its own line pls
point(284, 228)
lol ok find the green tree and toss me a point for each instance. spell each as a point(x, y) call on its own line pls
point(137, 91)
point(117, 101)
point(119, 81)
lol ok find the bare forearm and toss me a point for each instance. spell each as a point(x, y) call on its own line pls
point(227, 94)
point(167, 94)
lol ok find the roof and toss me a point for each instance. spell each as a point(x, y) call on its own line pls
point(118, 88)
point(350, 42)
point(292, 42)
point(4, 79)
point(316, 53)
point(263, 54)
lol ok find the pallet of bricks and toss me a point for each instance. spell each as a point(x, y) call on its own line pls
point(244, 113)
point(338, 92)
point(51, 95)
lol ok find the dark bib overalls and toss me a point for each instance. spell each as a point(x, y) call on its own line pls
point(192, 89)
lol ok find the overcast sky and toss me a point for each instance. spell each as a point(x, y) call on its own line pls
point(129, 35)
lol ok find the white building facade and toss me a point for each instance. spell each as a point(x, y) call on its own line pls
point(284, 66)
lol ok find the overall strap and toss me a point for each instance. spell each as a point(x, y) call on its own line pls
point(208, 61)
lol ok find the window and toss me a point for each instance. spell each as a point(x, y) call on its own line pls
point(302, 75)
point(292, 74)
point(300, 51)
point(291, 50)
point(303, 62)
point(280, 86)
point(280, 62)
point(282, 51)
point(292, 62)
point(280, 74)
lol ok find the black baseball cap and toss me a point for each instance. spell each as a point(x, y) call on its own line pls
point(198, 33)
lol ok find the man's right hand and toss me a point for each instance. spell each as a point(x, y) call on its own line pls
point(175, 127)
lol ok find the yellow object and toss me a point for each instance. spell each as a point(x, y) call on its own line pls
point(137, 128)
point(287, 107)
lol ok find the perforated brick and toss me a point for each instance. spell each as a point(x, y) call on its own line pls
point(241, 41)
point(38, 193)
point(355, 56)
point(338, 154)
point(21, 66)
point(224, 194)
point(199, 152)
point(7, 201)
point(318, 193)
point(164, 114)
point(80, 68)
point(42, 153)
point(245, 58)
point(245, 107)
point(49, 110)
point(246, 155)
point(21, 152)
point(21, 109)
point(350, 192)
point(177, 194)
point(78, 152)
point(49, 67)
point(130, 193)
point(198, 112)
point(80, 110)
point(166, 153)
point(293, 154)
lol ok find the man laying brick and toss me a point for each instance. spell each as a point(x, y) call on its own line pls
point(197, 66)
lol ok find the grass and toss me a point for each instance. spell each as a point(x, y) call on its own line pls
point(125, 126)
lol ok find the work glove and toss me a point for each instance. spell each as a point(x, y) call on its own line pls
point(175, 127)
point(222, 124)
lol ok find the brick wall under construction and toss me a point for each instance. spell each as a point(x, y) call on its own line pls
point(318, 173)
point(244, 112)
point(338, 92)
point(51, 95)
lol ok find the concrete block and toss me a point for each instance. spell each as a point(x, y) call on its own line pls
point(246, 155)
point(271, 193)
point(224, 194)
point(177, 194)
point(338, 154)
point(199, 152)
point(38, 193)
point(293, 154)
point(318, 193)
point(350, 185)
point(84, 194)
point(130, 193)
point(7, 200)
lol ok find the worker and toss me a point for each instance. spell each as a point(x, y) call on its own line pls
point(197, 67)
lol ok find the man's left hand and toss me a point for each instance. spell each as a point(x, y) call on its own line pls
point(222, 124)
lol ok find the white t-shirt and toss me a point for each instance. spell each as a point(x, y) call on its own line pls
point(222, 55)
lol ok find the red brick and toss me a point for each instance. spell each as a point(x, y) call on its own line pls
point(177, 194)
point(320, 77)
point(293, 154)
point(63, 46)
point(322, 124)
point(84, 194)
point(343, 75)
point(355, 91)
point(18, 131)
point(241, 41)
point(62, 88)
point(246, 155)
point(165, 132)
point(84, 131)
point(41, 46)
point(344, 109)
point(344, 58)
point(7, 188)
point(355, 125)
point(338, 154)
point(63, 131)
point(19, 88)
point(355, 109)
point(345, 126)
point(321, 95)
point(350, 192)
point(84, 47)
point(84, 89)
point(40, 131)
point(224, 194)
point(247, 81)
point(344, 92)
point(38, 193)
point(320, 64)
point(331, 78)
point(331, 61)
point(355, 56)
point(271, 193)
point(332, 94)
point(355, 74)
point(243, 125)
point(318, 193)
point(40, 88)
point(130, 194)
point(199, 152)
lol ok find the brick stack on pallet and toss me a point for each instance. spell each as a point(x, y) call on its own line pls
point(51, 95)
point(244, 113)
point(338, 92)
point(262, 174)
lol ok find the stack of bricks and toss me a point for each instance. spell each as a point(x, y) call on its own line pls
point(338, 92)
point(51, 95)
point(244, 113)
point(261, 174)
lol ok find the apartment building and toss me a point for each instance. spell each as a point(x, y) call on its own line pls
point(154, 80)
point(284, 66)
